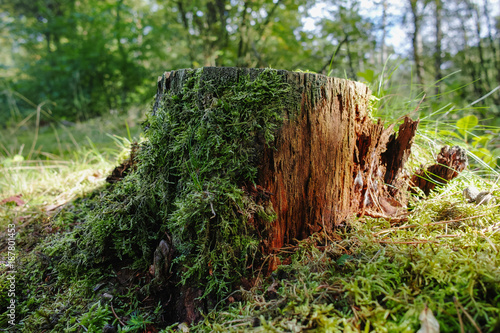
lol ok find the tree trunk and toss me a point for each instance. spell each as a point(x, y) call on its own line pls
point(329, 160)
point(383, 47)
point(417, 42)
point(491, 39)
point(437, 55)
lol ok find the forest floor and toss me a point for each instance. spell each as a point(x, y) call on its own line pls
point(439, 266)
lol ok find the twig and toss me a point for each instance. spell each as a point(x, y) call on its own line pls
point(468, 315)
point(393, 220)
point(394, 229)
point(85, 328)
point(495, 227)
point(489, 241)
point(376, 254)
point(113, 310)
point(459, 314)
point(213, 211)
point(407, 242)
point(426, 224)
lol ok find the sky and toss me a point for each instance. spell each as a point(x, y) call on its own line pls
point(398, 34)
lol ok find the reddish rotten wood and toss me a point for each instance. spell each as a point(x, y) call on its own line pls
point(450, 162)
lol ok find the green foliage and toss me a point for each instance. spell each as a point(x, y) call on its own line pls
point(136, 323)
point(74, 57)
point(87, 58)
point(466, 124)
point(94, 320)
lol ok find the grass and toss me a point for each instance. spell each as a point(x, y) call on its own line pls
point(372, 275)
point(65, 162)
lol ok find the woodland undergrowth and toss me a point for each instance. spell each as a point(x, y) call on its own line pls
point(84, 249)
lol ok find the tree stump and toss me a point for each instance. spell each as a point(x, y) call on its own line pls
point(328, 161)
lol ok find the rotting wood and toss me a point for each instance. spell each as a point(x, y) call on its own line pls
point(449, 163)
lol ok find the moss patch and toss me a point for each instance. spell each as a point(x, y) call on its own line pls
point(202, 147)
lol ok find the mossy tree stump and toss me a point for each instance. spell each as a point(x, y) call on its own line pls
point(328, 161)
point(236, 164)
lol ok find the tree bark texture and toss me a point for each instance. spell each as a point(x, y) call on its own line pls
point(329, 161)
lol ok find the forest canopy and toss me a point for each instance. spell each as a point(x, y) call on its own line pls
point(80, 59)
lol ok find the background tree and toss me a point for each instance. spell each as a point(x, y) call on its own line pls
point(348, 39)
point(74, 57)
point(417, 7)
point(439, 36)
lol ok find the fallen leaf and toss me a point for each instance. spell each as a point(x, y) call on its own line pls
point(15, 199)
point(428, 322)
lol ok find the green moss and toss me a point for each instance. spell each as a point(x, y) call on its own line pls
point(203, 144)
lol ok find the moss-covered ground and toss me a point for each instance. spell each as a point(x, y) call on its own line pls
point(83, 249)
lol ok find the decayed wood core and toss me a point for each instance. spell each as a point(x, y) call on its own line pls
point(328, 165)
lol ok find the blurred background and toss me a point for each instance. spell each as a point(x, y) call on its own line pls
point(80, 59)
point(81, 75)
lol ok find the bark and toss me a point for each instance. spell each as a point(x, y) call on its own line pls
point(243, 32)
point(328, 162)
point(483, 65)
point(493, 48)
point(349, 58)
point(468, 64)
point(185, 23)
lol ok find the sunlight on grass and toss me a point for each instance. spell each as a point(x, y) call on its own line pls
point(65, 163)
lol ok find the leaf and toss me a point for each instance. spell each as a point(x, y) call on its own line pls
point(449, 133)
point(343, 258)
point(482, 140)
point(17, 158)
point(368, 75)
point(467, 123)
point(428, 321)
point(16, 199)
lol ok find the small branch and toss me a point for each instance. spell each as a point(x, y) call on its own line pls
point(467, 315)
point(213, 211)
point(393, 220)
point(114, 313)
point(448, 236)
point(459, 315)
point(426, 224)
point(407, 242)
point(489, 241)
point(394, 229)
